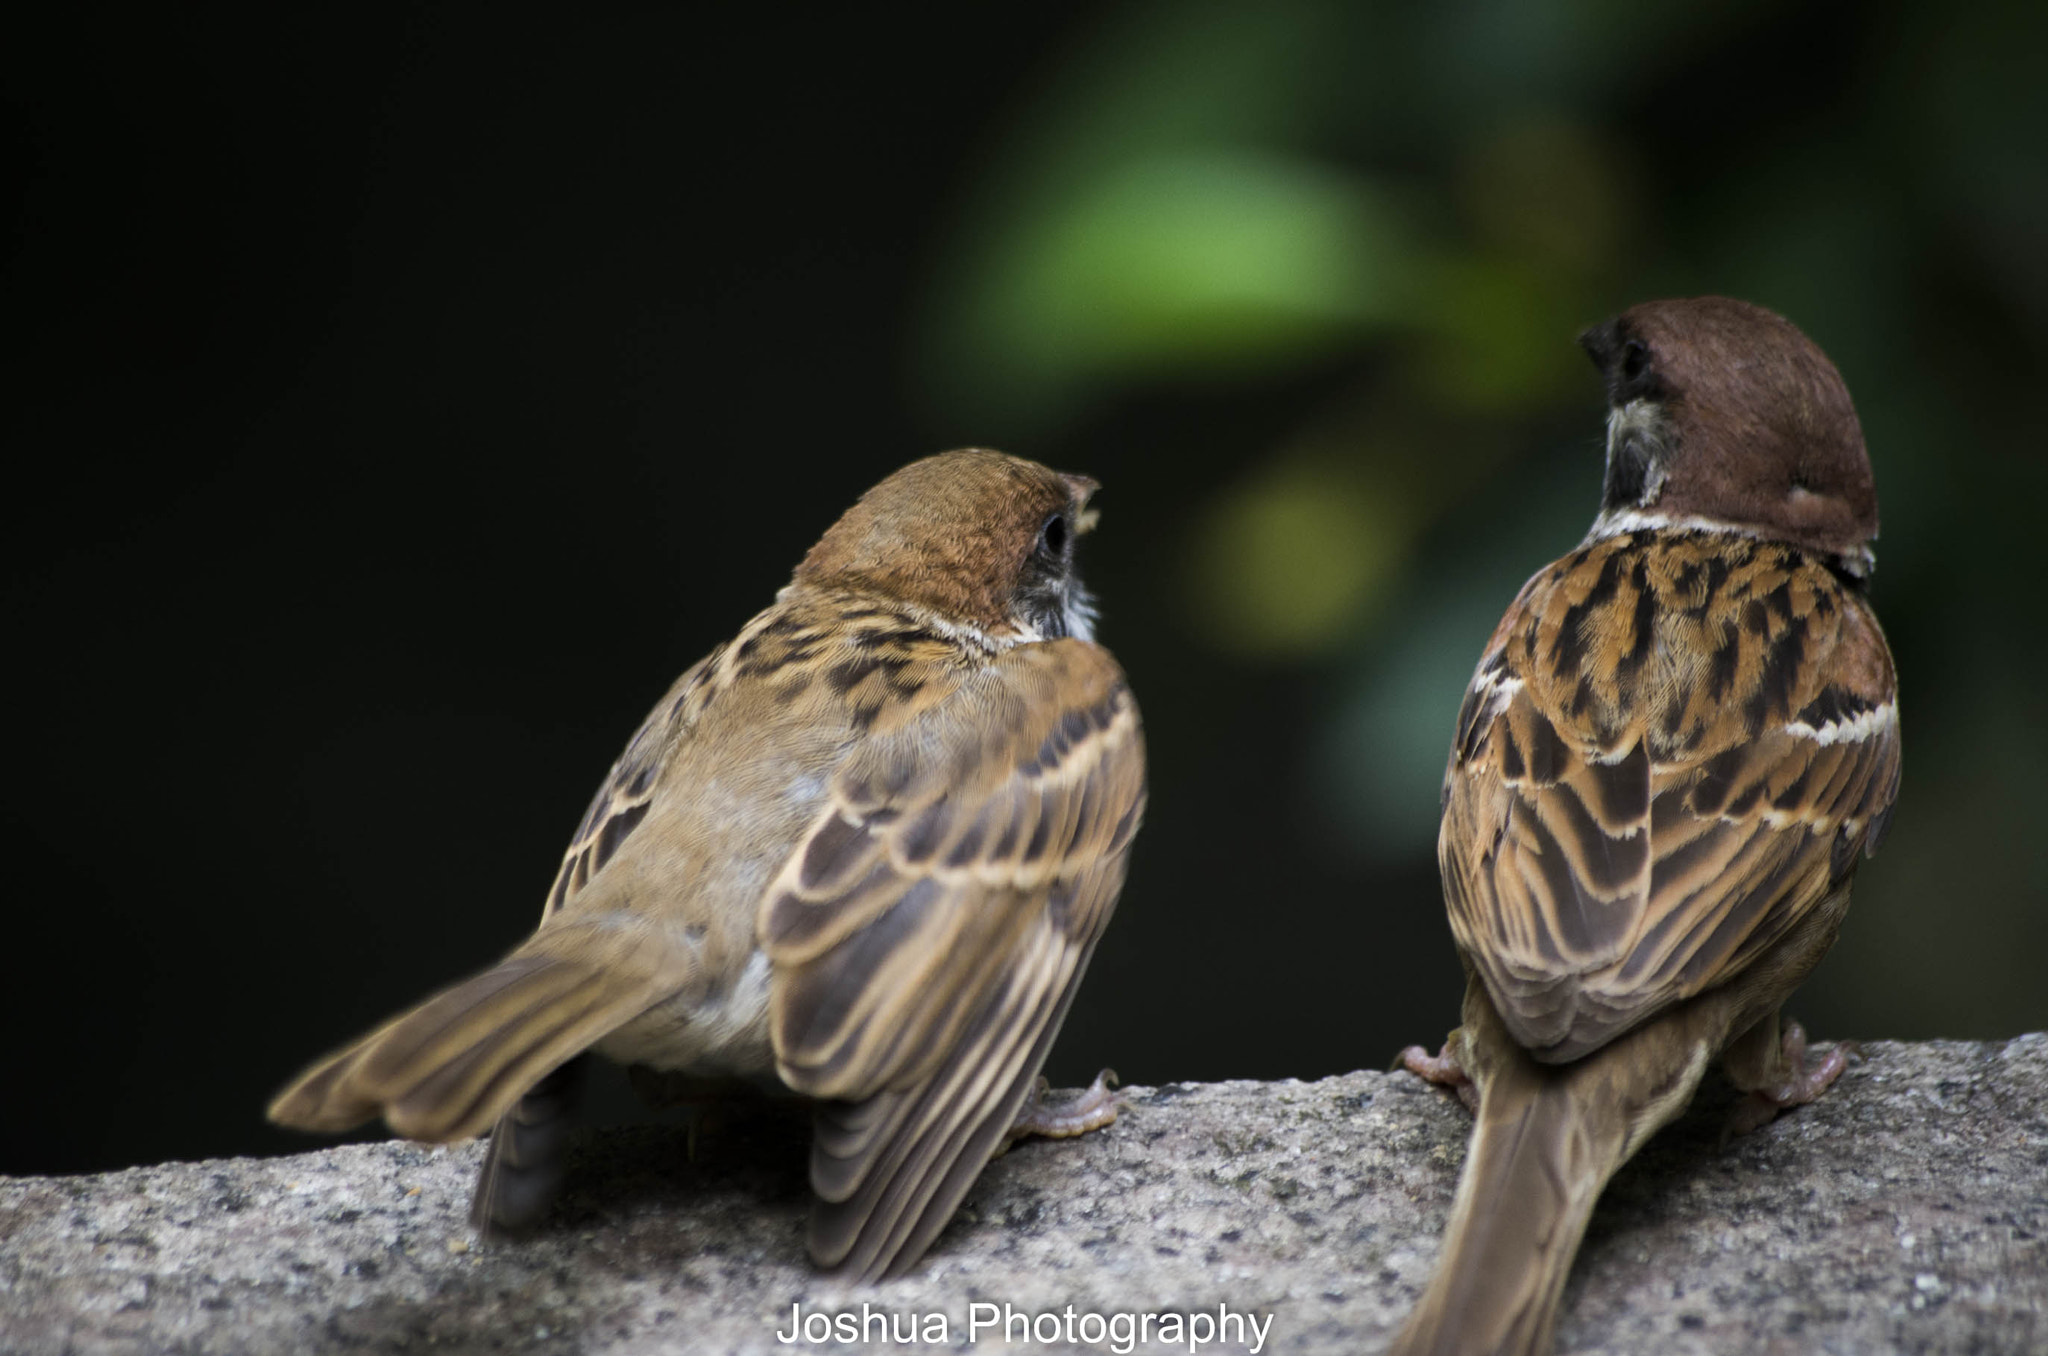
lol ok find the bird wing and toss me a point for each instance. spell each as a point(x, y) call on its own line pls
point(930, 930)
point(1673, 749)
point(627, 792)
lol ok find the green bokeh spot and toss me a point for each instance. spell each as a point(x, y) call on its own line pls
point(1210, 262)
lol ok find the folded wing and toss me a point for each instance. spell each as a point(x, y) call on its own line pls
point(930, 932)
point(1622, 831)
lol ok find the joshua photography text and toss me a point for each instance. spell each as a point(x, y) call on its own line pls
point(1196, 1330)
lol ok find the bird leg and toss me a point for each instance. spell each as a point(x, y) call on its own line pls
point(1443, 1069)
point(710, 1103)
point(1784, 1081)
point(1092, 1110)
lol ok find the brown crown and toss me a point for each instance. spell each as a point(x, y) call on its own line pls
point(952, 532)
point(1759, 427)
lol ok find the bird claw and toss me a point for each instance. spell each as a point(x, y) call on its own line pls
point(1092, 1110)
point(1442, 1069)
point(1796, 1084)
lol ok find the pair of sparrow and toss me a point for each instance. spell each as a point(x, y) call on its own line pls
point(865, 849)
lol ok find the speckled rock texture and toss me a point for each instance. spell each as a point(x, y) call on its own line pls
point(1906, 1211)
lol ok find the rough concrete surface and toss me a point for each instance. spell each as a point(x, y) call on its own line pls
point(1906, 1211)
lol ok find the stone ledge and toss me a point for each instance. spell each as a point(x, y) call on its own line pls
point(1906, 1211)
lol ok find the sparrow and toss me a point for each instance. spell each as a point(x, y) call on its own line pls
point(860, 853)
point(1679, 743)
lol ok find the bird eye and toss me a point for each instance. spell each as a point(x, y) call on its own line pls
point(1054, 534)
point(1635, 360)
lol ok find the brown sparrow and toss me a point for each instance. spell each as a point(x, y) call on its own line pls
point(863, 851)
point(1679, 743)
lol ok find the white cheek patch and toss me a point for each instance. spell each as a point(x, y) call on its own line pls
point(1079, 610)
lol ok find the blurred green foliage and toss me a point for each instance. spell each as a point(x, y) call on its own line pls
point(1409, 212)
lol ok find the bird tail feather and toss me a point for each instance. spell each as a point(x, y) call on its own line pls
point(1546, 1143)
point(1536, 1165)
point(524, 1166)
point(453, 1066)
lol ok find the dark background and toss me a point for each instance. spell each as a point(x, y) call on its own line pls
point(397, 406)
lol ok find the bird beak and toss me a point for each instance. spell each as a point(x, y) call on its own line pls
point(1080, 487)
